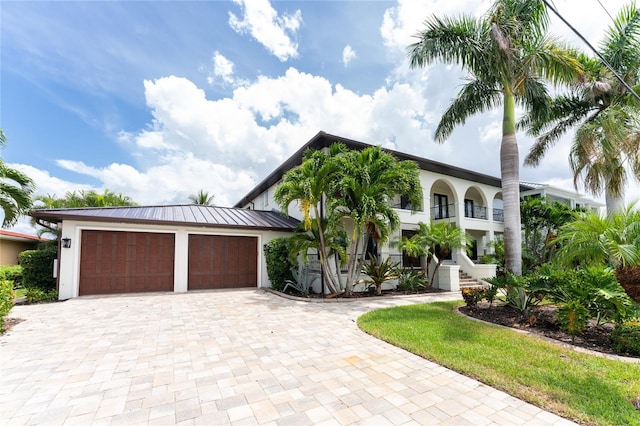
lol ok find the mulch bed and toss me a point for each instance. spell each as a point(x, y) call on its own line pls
point(543, 322)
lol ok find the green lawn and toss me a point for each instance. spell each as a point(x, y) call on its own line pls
point(583, 388)
point(21, 292)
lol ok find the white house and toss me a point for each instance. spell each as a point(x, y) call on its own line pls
point(470, 200)
point(188, 247)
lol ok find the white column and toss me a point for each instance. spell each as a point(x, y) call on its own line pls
point(181, 265)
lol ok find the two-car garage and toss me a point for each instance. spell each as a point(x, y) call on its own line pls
point(132, 262)
point(163, 248)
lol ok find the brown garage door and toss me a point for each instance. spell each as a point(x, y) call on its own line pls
point(126, 262)
point(217, 261)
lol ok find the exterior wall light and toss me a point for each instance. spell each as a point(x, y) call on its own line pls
point(66, 242)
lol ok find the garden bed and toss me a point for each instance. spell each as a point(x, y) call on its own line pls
point(542, 322)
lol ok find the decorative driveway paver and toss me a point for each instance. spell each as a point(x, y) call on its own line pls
point(230, 357)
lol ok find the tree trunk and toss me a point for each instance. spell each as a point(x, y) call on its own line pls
point(614, 204)
point(510, 174)
point(322, 254)
point(629, 279)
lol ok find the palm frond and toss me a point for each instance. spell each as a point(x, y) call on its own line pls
point(476, 96)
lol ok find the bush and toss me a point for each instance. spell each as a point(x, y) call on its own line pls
point(11, 273)
point(573, 317)
point(473, 295)
point(38, 295)
point(276, 253)
point(6, 300)
point(412, 281)
point(594, 288)
point(37, 268)
point(626, 338)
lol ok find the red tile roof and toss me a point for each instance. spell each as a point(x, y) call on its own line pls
point(19, 236)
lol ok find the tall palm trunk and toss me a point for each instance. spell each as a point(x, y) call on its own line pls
point(324, 264)
point(614, 204)
point(510, 174)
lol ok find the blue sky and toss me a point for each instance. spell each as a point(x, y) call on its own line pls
point(160, 99)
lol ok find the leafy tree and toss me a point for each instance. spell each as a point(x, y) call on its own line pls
point(607, 139)
point(435, 240)
point(16, 190)
point(507, 54)
point(541, 219)
point(202, 198)
point(608, 241)
point(359, 197)
point(78, 199)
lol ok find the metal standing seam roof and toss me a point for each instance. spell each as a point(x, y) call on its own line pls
point(194, 215)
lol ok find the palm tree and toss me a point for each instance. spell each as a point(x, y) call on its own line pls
point(202, 198)
point(304, 240)
point(307, 184)
point(435, 239)
point(507, 55)
point(16, 190)
point(607, 140)
point(368, 179)
point(610, 241)
point(77, 199)
point(380, 272)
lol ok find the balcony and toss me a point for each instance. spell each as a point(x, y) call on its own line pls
point(403, 203)
point(498, 215)
point(446, 211)
point(476, 212)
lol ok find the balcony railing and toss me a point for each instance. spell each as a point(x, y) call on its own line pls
point(498, 215)
point(443, 212)
point(404, 205)
point(477, 212)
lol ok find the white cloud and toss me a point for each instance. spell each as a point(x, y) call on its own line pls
point(222, 70)
point(402, 22)
point(348, 54)
point(47, 184)
point(275, 32)
point(226, 146)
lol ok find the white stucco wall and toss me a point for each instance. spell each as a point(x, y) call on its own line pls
point(70, 257)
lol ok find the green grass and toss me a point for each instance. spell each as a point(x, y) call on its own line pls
point(584, 388)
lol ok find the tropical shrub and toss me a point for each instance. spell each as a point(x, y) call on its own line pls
point(39, 295)
point(379, 272)
point(473, 295)
point(37, 268)
point(11, 273)
point(518, 292)
point(6, 300)
point(625, 337)
point(595, 288)
point(276, 253)
point(573, 317)
point(412, 281)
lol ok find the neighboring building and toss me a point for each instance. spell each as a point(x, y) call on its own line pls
point(13, 243)
point(560, 195)
point(189, 247)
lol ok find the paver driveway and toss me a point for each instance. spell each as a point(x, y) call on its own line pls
point(229, 357)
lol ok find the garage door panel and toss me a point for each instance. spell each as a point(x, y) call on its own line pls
point(220, 261)
point(123, 262)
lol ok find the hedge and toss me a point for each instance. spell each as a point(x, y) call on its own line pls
point(37, 268)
